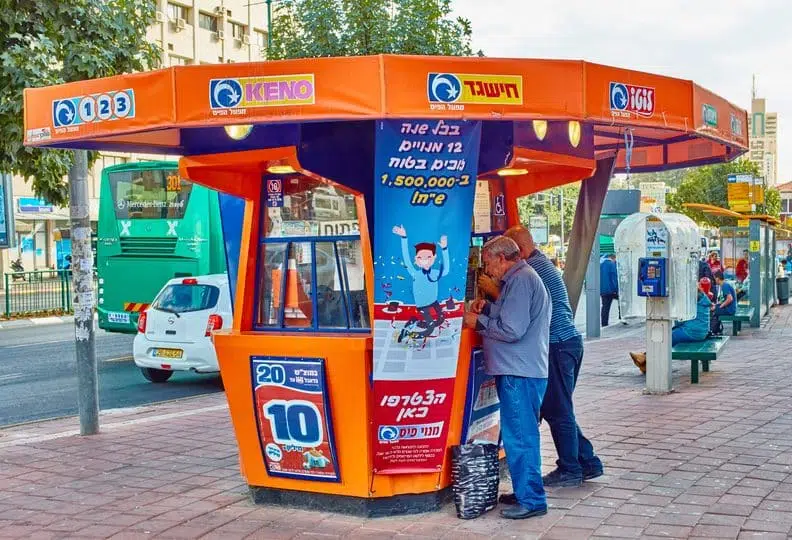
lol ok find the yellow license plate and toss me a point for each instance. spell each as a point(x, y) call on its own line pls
point(168, 353)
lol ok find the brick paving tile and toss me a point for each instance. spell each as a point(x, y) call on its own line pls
point(716, 531)
point(673, 518)
point(721, 519)
point(752, 535)
point(628, 520)
point(618, 531)
point(668, 531)
point(766, 526)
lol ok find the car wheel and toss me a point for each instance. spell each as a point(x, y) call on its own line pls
point(156, 375)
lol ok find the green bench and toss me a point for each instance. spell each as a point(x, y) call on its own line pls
point(743, 314)
point(699, 351)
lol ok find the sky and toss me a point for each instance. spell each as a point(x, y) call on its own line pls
point(719, 44)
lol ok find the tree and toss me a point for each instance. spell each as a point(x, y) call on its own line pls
point(672, 178)
point(316, 28)
point(708, 185)
point(548, 203)
point(45, 42)
point(773, 202)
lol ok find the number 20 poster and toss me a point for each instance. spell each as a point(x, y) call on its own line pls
point(293, 416)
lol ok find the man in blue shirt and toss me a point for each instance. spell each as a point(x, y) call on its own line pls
point(727, 298)
point(609, 286)
point(425, 278)
point(576, 458)
point(515, 331)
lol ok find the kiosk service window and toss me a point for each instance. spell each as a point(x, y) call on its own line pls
point(311, 273)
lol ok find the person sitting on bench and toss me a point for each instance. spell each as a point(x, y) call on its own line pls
point(685, 331)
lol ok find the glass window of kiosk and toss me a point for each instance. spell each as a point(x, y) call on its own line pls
point(311, 271)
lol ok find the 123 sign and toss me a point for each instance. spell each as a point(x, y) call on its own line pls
point(293, 417)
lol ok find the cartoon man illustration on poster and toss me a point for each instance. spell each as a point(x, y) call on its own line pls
point(425, 283)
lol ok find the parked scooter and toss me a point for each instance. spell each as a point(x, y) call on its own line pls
point(19, 270)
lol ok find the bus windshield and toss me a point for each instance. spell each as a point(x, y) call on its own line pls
point(149, 194)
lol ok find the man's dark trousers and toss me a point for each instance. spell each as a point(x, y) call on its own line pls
point(575, 452)
point(607, 300)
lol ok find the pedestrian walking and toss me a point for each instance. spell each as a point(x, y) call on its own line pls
point(609, 286)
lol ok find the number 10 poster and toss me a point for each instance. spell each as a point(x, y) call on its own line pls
point(293, 417)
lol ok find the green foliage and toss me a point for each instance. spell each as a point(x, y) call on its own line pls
point(773, 203)
point(548, 203)
point(316, 28)
point(707, 185)
point(45, 42)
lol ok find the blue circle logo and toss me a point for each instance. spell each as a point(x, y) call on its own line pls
point(444, 87)
point(388, 433)
point(65, 113)
point(274, 452)
point(225, 93)
point(618, 97)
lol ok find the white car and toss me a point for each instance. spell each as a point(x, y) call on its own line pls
point(174, 334)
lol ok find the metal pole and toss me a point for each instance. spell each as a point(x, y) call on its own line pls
point(83, 286)
point(562, 222)
point(269, 27)
point(593, 292)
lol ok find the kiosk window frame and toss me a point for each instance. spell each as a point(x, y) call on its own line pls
point(284, 246)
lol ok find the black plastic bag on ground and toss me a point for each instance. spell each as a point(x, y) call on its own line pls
point(475, 474)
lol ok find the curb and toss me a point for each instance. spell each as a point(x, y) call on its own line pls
point(40, 321)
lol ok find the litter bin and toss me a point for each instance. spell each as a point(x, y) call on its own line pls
point(782, 288)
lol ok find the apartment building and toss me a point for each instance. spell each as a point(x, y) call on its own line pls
point(763, 140)
point(188, 32)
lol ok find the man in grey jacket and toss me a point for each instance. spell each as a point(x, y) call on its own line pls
point(516, 330)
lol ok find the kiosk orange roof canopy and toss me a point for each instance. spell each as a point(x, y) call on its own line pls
point(668, 123)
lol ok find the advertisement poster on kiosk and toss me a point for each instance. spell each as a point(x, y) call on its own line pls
point(293, 417)
point(482, 406)
point(425, 181)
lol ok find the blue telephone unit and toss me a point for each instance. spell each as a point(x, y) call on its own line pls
point(652, 272)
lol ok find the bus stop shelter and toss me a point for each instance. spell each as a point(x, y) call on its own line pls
point(755, 234)
point(340, 396)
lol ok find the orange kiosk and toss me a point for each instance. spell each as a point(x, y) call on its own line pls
point(368, 185)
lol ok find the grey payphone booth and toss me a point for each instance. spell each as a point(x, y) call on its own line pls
point(657, 261)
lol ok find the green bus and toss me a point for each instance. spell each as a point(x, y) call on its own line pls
point(153, 226)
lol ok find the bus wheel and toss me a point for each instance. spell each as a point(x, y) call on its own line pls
point(156, 375)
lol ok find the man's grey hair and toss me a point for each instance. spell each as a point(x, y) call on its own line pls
point(502, 245)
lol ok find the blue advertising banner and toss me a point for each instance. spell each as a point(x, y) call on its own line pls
point(425, 181)
point(482, 407)
point(293, 417)
point(232, 214)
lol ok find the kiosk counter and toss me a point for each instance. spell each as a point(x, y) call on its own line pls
point(357, 212)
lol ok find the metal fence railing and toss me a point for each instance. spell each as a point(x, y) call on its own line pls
point(38, 292)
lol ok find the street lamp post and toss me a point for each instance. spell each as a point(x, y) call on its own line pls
point(269, 21)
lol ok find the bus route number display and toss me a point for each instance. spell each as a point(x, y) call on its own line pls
point(293, 418)
point(174, 183)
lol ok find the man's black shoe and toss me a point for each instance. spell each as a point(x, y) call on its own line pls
point(519, 512)
point(508, 498)
point(594, 472)
point(558, 478)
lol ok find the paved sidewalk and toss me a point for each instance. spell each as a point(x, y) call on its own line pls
point(711, 460)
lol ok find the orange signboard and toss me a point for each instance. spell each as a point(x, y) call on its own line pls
point(678, 122)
